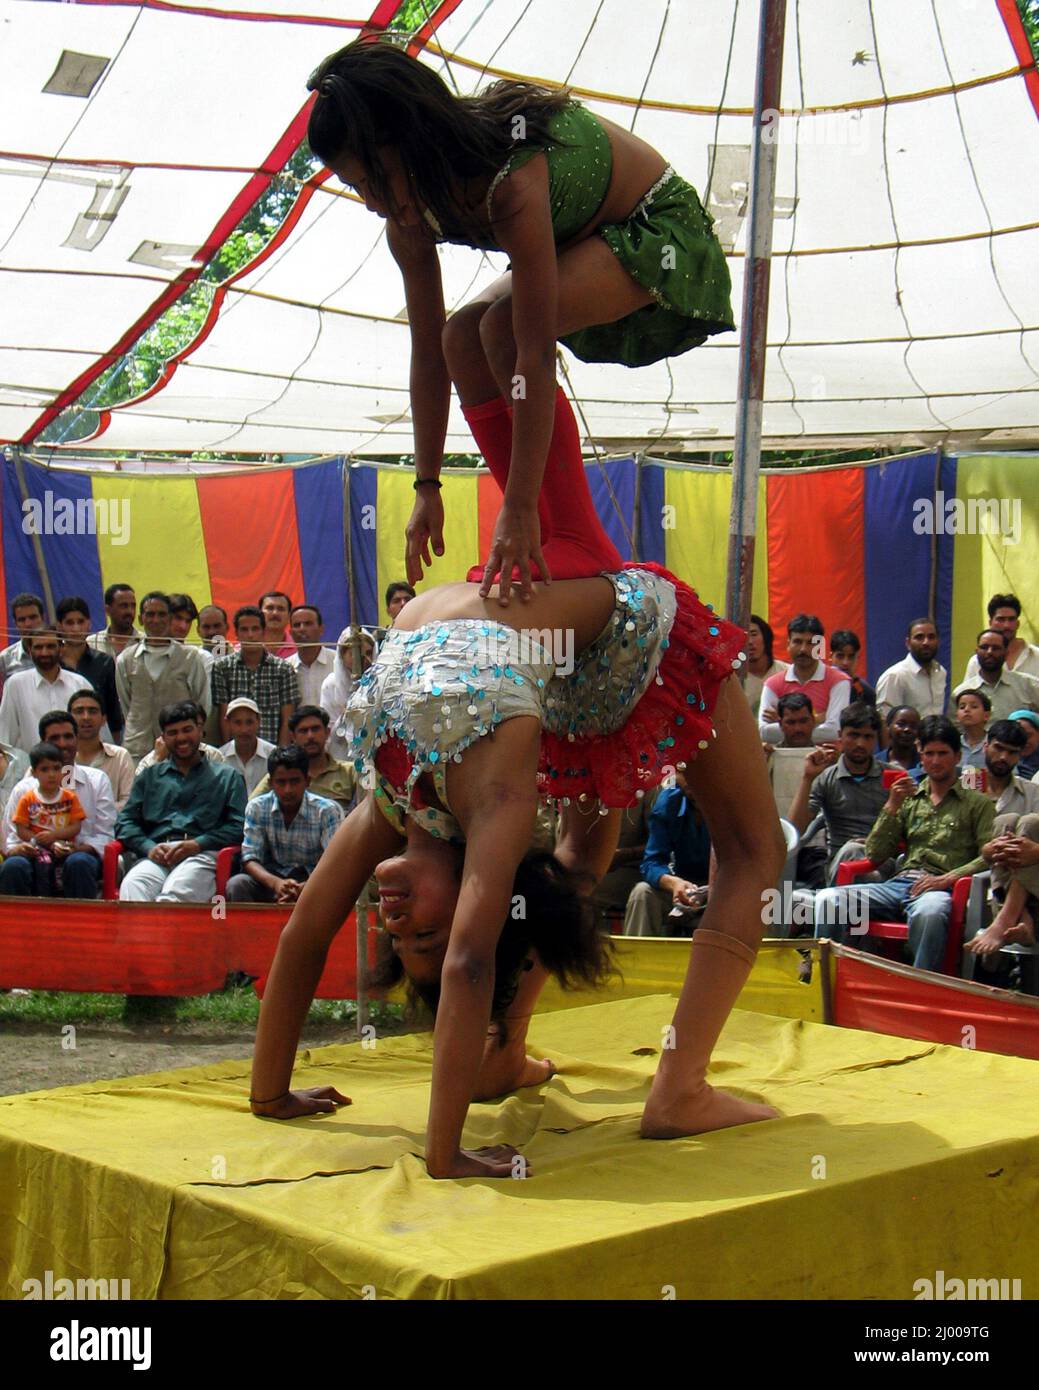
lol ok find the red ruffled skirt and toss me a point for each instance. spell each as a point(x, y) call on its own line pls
point(671, 723)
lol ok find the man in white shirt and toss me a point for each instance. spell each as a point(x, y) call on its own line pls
point(29, 695)
point(81, 869)
point(27, 612)
point(86, 709)
point(1007, 690)
point(919, 679)
point(246, 750)
point(1004, 615)
point(312, 662)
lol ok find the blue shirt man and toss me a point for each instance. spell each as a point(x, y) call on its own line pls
point(676, 863)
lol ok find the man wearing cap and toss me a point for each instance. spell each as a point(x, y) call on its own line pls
point(246, 750)
point(1028, 763)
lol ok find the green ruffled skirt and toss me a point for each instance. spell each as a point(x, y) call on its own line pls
point(668, 246)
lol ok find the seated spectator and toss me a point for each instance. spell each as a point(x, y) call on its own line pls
point(843, 784)
point(760, 662)
point(253, 673)
point(828, 689)
point(1008, 690)
point(98, 668)
point(918, 680)
point(286, 832)
point(14, 764)
point(675, 867)
point(154, 673)
point(27, 612)
point(1004, 615)
point(183, 614)
point(844, 653)
point(355, 652)
point(161, 751)
point(614, 888)
point(180, 813)
point(48, 816)
point(796, 720)
point(275, 608)
point(312, 662)
point(945, 829)
point(903, 729)
point(1028, 763)
point(330, 778)
point(212, 628)
point(397, 595)
point(115, 762)
point(120, 608)
point(973, 708)
point(81, 869)
point(29, 695)
point(1017, 815)
point(246, 751)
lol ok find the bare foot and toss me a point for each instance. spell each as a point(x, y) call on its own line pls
point(708, 1109)
point(989, 941)
point(502, 1071)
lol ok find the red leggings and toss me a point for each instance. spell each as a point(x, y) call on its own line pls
point(573, 541)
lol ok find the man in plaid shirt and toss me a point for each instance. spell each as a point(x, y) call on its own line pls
point(252, 673)
point(286, 832)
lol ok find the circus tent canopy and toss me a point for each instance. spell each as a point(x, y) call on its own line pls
point(904, 300)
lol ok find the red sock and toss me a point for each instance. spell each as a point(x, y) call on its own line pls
point(573, 541)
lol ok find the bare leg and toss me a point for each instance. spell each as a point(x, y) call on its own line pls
point(1007, 919)
point(731, 788)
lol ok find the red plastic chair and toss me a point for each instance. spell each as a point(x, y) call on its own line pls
point(898, 932)
point(110, 869)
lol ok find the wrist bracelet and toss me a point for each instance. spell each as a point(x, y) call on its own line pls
point(426, 482)
point(254, 1101)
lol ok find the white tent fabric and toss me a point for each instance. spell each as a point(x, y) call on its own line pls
point(904, 303)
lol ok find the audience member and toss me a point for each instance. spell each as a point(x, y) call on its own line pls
point(212, 628)
point(286, 832)
point(843, 784)
point(48, 817)
point(14, 764)
point(918, 680)
point(27, 612)
point(254, 673)
point(674, 869)
point(945, 829)
point(28, 695)
point(844, 653)
point(161, 752)
point(903, 729)
point(312, 662)
point(246, 750)
point(330, 778)
point(115, 762)
point(796, 720)
point(760, 662)
point(183, 614)
point(275, 608)
point(81, 868)
point(154, 673)
point(397, 595)
point(355, 652)
point(1006, 689)
point(973, 709)
point(1028, 764)
point(828, 689)
point(98, 668)
point(180, 813)
point(1004, 615)
point(120, 608)
point(614, 888)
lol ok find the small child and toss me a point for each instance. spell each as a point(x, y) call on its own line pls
point(52, 814)
point(973, 708)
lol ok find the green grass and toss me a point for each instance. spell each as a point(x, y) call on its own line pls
point(234, 1009)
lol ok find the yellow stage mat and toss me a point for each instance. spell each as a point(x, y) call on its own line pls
point(894, 1159)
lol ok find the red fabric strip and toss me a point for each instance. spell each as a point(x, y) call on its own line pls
point(816, 550)
point(252, 543)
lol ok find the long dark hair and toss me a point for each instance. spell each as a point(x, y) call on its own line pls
point(372, 94)
point(558, 922)
point(768, 637)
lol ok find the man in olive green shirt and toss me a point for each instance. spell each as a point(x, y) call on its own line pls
point(944, 828)
point(328, 777)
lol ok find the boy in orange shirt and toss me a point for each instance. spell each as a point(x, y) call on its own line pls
point(51, 814)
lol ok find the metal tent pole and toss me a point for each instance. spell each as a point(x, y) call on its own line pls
point(746, 464)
